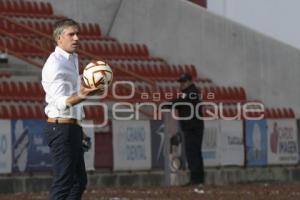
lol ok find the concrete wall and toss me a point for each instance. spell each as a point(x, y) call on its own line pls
point(227, 52)
point(101, 12)
point(213, 176)
point(265, 19)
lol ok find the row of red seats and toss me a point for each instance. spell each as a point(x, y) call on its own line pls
point(21, 47)
point(89, 31)
point(5, 74)
point(154, 71)
point(99, 49)
point(106, 49)
point(202, 3)
point(21, 91)
point(134, 60)
point(223, 112)
point(33, 91)
point(116, 49)
point(275, 113)
point(21, 112)
point(269, 113)
point(217, 93)
point(26, 7)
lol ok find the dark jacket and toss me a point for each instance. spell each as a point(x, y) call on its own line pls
point(190, 95)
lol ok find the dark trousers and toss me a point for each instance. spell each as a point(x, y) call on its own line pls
point(193, 146)
point(70, 179)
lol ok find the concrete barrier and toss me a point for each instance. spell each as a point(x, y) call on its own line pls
point(214, 176)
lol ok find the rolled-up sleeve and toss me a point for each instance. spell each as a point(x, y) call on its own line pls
point(60, 103)
point(59, 90)
point(56, 87)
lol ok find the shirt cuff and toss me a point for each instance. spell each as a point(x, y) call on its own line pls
point(61, 103)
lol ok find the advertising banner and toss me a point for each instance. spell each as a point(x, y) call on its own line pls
point(282, 141)
point(232, 143)
point(256, 133)
point(131, 145)
point(30, 149)
point(89, 157)
point(211, 143)
point(103, 147)
point(5, 147)
point(157, 143)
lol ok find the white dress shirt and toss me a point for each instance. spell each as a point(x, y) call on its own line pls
point(60, 79)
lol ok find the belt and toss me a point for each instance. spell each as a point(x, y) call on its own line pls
point(63, 120)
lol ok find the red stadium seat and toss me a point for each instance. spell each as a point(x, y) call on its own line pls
point(43, 8)
point(145, 50)
point(151, 70)
point(4, 89)
point(17, 6)
point(48, 9)
point(23, 91)
point(2, 7)
point(30, 8)
point(115, 49)
point(274, 114)
point(97, 30)
point(36, 9)
point(9, 7)
point(89, 112)
point(14, 91)
point(4, 113)
point(23, 112)
point(267, 113)
point(106, 49)
point(99, 49)
point(84, 30)
point(291, 113)
point(137, 50)
point(39, 111)
point(14, 112)
point(285, 113)
point(30, 112)
point(242, 93)
point(280, 113)
point(31, 91)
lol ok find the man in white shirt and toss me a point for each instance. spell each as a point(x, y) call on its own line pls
point(64, 91)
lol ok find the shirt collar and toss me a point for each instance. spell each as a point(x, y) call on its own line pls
point(65, 54)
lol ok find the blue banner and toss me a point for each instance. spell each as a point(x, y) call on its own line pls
point(30, 150)
point(256, 142)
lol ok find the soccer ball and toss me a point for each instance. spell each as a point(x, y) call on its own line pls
point(97, 74)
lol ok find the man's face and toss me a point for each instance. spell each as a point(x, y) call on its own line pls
point(69, 39)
